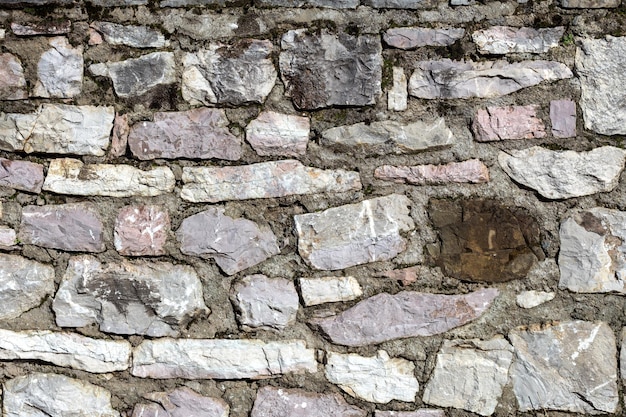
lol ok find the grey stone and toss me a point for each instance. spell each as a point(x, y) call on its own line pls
point(590, 4)
point(500, 40)
point(423, 412)
point(398, 95)
point(181, 402)
point(206, 26)
point(471, 171)
point(279, 134)
point(398, 4)
point(281, 402)
point(34, 2)
point(116, 3)
point(135, 36)
point(141, 231)
point(531, 299)
point(316, 291)
point(60, 70)
point(334, 4)
point(21, 175)
point(12, 81)
point(8, 238)
point(14, 129)
point(42, 28)
point(413, 37)
point(563, 118)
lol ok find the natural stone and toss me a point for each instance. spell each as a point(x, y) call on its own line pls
point(208, 26)
point(413, 37)
point(142, 297)
point(116, 3)
point(406, 276)
point(398, 95)
point(398, 4)
point(181, 402)
point(141, 231)
point(278, 134)
point(354, 234)
point(513, 122)
point(94, 38)
point(135, 36)
point(590, 4)
point(386, 317)
point(60, 70)
point(470, 171)
point(53, 27)
point(2, 34)
point(564, 174)
point(221, 359)
point(531, 299)
point(12, 81)
point(563, 118)
point(335, 4)
point(316, 291)
point(330, 69)
point(8, 237)
point(424, 412)
point(119, 136)
point(21, 175)
point(280, 402)
point(499, 40)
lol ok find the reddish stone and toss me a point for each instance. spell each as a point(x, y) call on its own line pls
point(563, 118)
point(279, 402)
point(181, 402)
point(471, 171)
point(12, 81)
point(119, 137)
point(21, 175)
point(406, 276)
point(94, 37)
point(141, 230)
point(515, 122)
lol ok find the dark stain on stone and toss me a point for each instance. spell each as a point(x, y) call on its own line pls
point(87, 173)
point(591, 223)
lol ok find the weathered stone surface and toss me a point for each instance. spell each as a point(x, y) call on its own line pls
point(181, 402)
point(115, 3)
point(563, 118)
point(8, 237)
point(235, 244)
point(221, 359)
point(564, 174)
point(263, 180)
point(326, 69)
point(470, 374)
point(499, 40)
point(398, 95)
point(215, 75)
point(65, 349)
point(274, 133)
point(60, 70)
point(470, 171)
point(489, 79)
point(143, 297)
point(571, 366)
point(71, 176)
point(70, 227)
point(119, 136)
point(334, 4)
point(398, 4)
point(354, 234)
point(208, 26)
point(198, 134)
point(413, 37)
point(279, 402)
point(424, 412)
point(512, 122)
point(406, 276)
point(21, 175)
point(590, 4)
point(23, 285)
point(386, 317)
point(530, 299)
point(266, 303)
point(377, 379)
point(316, 291)
point(53, 395)
point(14, 129)
point(2, 34)
point(187, 3)
point(54, 27)
point(135, 36)
point(141, 230)
point(12, 81)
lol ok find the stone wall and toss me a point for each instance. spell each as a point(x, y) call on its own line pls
point(312, 207)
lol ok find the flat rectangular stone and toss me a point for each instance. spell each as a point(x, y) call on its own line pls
point(423, 412)
point(471, 171)
point(119, 136)
point(316, 291)
point(590, 4)
point(398, 95)
point(502, 123)
point(279, 134)
point(413, 37)
point(504, 39)
point(181, 402)
point(281, 402)
point(334, 4)
point(130, 35)
point(21, 175)
point(563, 118)
point(43, 28)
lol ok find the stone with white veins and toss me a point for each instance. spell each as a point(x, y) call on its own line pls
point(273, 133)
point(141, 230)
point(564, 174)
point(500, 40)
point(60, 70)
point(530, 299)
point(12, 81)
point(398, 95)
point(135, 36)
point(281, 402)
point(414, 37)
point(316, 291)
point(181, 402)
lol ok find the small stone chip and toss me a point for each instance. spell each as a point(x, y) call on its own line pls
point(531, 299)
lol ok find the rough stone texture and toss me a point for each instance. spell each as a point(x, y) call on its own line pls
point(571, 366)
point(65, 349)
point(563, 118)
point(119, 136)
point(564, 174)
point(234, 244)
point(265, 303)
point(414, 37)
point(316, 291)
point(60, 70)
point(590, 4)
point(141, 230)
point(354, 234)
point(398, 95)
point(278, 402)
point(12, 81)
point(397, 4)
point(221, 359)
point(452, 79)
point(21, 175)
point(181, 402)
point(470, 374)
point(196, 134)
point(135, 36)
point(71, 176)
point(499, 40)
point(531, 299)
point(8, 237)
point(278, 134)
point(386, 317)
point(406, 276)
point(471, 171)
point(263, 180)
point(158, 297)
point(378, 379)
point(72, 227)
point(326, 69)
point(43, 28)
point(424, 412)
point(513, 122)
point(335, 4)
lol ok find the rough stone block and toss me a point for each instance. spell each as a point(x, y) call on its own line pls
point(280, 402)
point(513, 122)
point(12, 81)
point(398, 95)
point(531, 299)
point(46, 28)
point(141, 231)
point(563, 118)
point(181, 402)
point(135, 36)
point(278, 134)
point(8, 237)
point(316, 291)
point(499, 40)
point(414, 37)
point(424, 412)
point(590, 4)
point(471, 171)
point(60, 70)
point(21, 175)
point(119, 136)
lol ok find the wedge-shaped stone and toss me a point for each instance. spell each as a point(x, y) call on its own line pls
point(571, 366)
point(531, 299)
point(354, 234)
point(65, 349)
point(142, 297)
point(12, 81)
point(499, 40)
point(412, 37)
point(377, 379)
point(221, 359)
point(263, 180)
point(565, 174)
point(60, 70)
point(470, 171)
point(453, 79)
point(71, 176)
point(119, 136)
point(274, 133)
point(329, 290)
point(181, 402)
point(279, 402)
point(513, 122)
point(135, 36)
point(386, 317)
point(21, 175)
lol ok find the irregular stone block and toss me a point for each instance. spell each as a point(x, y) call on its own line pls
point(209, 26)
point(564, 174)
point(187, 3)
point(571, 366)
point(21, 175)
point(471, 171)
point(60, 70)
point(274, 133)
point(334, 4)
point(135, 36)
point(141, 231)
point(326, 70)
point(489, 79)
point(181, 402)
point(398, 95)
point(279, 402)
point(197, 134)
point(398, 4)
point(563, 118)
point(143, 297)
point(413, 37)
point(500, 40)
point(406, 276)
point(234, 244)
point(8, 238)
point(513, 122)
point(48, 28)
point(531, 299)
point(71, 176)
point(328, 290)
point(119, 136)
point(12, 81)
point(386, 317)
point(470, 374)
point(354, 234)
point(590, 4)
point(221, 359)
point(424, 412)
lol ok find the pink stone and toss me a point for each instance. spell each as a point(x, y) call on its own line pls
point(514, 122)
point(470, 171)
point(278, 134)
point(141, 230)
point(406, 276)
point(12, 81)
point(119, 137)
point(282, 402)
point(94, 37)
point(563, 118)
point(21, 175)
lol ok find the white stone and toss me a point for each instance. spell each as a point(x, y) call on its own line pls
point(398, 94)
point(504, 39)
point(2, 33)
point(530, 299)
point(7, 236)
point(60, 70)
point(316, 291)
point(274, 133)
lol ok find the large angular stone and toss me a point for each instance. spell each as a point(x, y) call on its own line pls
point(221, 359)
point(12, 81)
point(512, 122)
point(135, 36)
point(565, 174)
point(413, 37)
point(489, 79)
point(279, 134)
point(65, 349)
point(590, 4)
point(397, 96)
point(499, 40)
point(181, 402)
point(235, 244)
point(196, 134)
point(354, 234)
point(326, 70)
point(470, 171)
point(263, 180)
point(60, 70)
point(142, 297)
point(571, 366)
point(21, 175)
point(563, 118)
point(386, 317)
point(280, 402)
point(141, 231)
point(52, 27)
point(316, 291)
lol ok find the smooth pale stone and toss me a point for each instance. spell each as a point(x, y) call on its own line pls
point(278, 134)
point(8, 237)
point(499, 40)
point(12, 81)
point(23, 285)
point(263, 180)
point(52, 395)
point(398, 95)
point(2, 34)
point(316, 291)
point(71, 176)
point(119, 136)
point(512, 122)
point(135, 36)
point(571, 366)
point(470, 374)
point(181, 402)
point(377, 379)
point(564, 174)
point(21, 175)
point(413, 37)
point(69, 350)
point(60, 70)
point(590, 4)
point(142, 297)
point(42, 28)
point(530, 299)
point(471, 171)
point(424, 412)
point(386, 317)
point(141, 231)
point(281, 402)
point(563, 118)
point(334, 4)
point(221, 359)
point(354, 234)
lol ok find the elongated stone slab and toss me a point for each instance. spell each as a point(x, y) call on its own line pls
point(221, 359)
point(274, 133)
point(181, 402)
point(590, 4)
point(263, 180)
point(281, 402)
point(386, 317)
point(12, 81)
point(60, 70)
point(398, 94)
point(499, 40)
point(135, 36)
point(329, 290)
point(21, 175)
point(471, 171)
point(414, 37)
point(513, 122)
point(42, 28)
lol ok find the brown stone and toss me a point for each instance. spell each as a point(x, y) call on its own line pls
point(119, 137)
point(12, 81)
point(470, 171)
point(141, 231)
point(21, 175)
point(514, 122)
point(280, 402)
